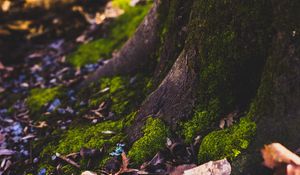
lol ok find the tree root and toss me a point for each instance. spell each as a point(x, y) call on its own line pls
point(136, 53)
point(174, 98)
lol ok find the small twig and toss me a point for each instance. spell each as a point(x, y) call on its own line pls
point(72, 154)
point(68, 160)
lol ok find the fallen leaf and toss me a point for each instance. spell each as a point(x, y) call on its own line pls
point(124, 167)
point(179, 170)
point(276, 154)
point(6, 6)
point(6, 152)
point(88, 173)
point(29, 136)
point(293, 169)
point(222, 124)
point(41, 124)
point(219, 167)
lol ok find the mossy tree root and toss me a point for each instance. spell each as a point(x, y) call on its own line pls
point(136, 53)
point(174, 98)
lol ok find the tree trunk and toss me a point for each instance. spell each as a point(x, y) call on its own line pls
point(218, 56)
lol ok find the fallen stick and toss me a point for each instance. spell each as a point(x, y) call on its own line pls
point(68, 160)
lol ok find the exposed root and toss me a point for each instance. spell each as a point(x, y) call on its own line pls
point(174, 99)
point(136, 52)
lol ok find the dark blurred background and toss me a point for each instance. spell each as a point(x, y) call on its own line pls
point(27, 24)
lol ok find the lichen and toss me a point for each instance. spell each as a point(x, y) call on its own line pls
point(40, 97)
point(120, 30)
point(227, 143)
point(153, 140)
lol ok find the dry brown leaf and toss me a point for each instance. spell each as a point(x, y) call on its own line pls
point(276, 154)
point(20, 25)
point(124, 167)
point(41, 124)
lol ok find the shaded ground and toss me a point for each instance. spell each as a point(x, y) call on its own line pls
point(37, 100)
point(25, 27)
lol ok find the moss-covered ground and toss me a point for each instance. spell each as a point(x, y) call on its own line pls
point(120, 92)
point(119, 31)
point(40, 97)
point(227, 143)
point(153, 140)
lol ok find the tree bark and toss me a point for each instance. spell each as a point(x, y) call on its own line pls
point(218, 66)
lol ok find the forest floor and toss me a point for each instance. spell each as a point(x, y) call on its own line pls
point(35, 45)
point(47, 124)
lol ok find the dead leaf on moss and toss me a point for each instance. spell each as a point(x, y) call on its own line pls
point(124, 167)
point(228, 120)
point(276, 154)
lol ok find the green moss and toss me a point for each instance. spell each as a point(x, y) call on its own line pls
point(83, 136)
point(39, 97)
point(228, 142)
point(199, 123)
point(120, 30)
point(90, 137)
point(231, 38)
point(123, 94)
point(129, 119)
point(155, 133)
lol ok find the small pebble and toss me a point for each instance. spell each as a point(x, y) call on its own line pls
point(94, 121)
point(35, 160)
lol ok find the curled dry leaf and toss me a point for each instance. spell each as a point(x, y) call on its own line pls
point(124, 167)
point(276, 154)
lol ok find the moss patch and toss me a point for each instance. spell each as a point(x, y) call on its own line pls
point(155, 133)
point(40, 97)
point(84, 136)
point(90, 137)
point(120, 30)
point(232, 39)
point(228, 142)
point(199, 123)
point(123, 93)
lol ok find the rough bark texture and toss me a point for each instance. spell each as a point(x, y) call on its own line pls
point(174, 99)
point(219, 67)
point(276, 108)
